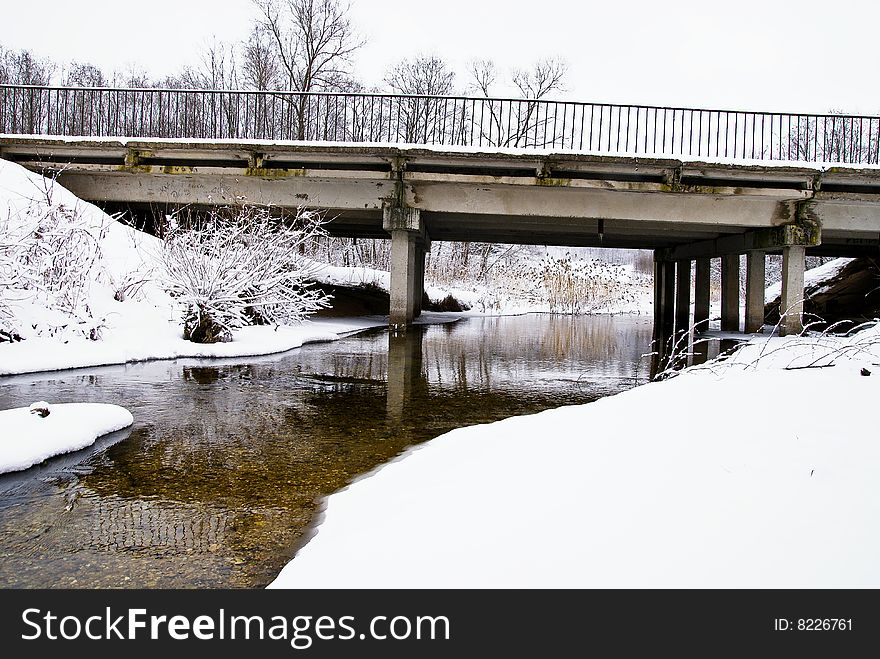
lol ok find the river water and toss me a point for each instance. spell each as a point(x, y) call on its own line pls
point(221, 477)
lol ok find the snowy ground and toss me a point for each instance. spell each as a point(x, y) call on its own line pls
point(161, 339)
point(28, 439)
point(740, 474)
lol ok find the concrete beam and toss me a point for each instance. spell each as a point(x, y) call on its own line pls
point(730, 293)
point(755, 284)
point(765, 240)
point(216, 190)
point(597, 203)
point(707, 209)
point(791, 305)
point(664, 309)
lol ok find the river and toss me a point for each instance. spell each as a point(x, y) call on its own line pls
point(221, 477)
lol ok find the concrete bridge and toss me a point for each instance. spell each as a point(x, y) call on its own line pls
point(684, 210)
point(675, 194)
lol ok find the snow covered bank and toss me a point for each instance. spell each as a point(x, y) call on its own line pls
point(812, 277)
point(742, 475)
point(28, 439)
point(159, 339)
point(120, 314)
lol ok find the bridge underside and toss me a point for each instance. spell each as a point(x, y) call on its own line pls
point(683, 210)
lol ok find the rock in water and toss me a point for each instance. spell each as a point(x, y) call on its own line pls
point(40, 408)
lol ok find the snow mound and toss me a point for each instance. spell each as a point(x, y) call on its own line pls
point(28, 439)
point(811, 277)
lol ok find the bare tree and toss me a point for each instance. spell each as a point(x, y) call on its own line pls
point(81, 74)
point(82, 107)
point(517, 123)
point(545, 76)
point(425, 75)
point(133, 76)
point(832, 138)
point(24, 68)
point(216, 69)
point(261, 70)
point(421, 117)
point(260, 66)
point(314, 41)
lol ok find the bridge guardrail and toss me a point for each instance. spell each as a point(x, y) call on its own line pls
point(457, 121)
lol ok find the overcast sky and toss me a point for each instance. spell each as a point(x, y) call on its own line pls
point(789, 56)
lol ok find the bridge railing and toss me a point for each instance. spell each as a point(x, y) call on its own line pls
point(433, 120)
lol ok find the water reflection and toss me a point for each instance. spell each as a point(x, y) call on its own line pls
point(223, 472)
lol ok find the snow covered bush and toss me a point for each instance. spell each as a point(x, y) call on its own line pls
point(48, 254)
point(248, 269)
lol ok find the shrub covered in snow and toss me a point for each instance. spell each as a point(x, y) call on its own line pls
point(48, 253)
point(247, 269)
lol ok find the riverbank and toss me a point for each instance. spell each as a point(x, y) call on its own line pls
point(133, 342)
point(757, 472)
point(116, 312)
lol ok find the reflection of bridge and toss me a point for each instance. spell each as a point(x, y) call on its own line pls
point(669, 185)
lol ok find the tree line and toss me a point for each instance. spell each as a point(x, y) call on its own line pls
point(300, 46)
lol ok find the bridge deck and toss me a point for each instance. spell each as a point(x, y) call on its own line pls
point(553, 198)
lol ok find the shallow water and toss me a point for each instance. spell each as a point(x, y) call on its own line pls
point(221, 476)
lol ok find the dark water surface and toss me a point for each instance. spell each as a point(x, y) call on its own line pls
point(221, 475)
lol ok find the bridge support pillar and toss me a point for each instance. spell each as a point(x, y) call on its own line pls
point(408, 244)
point(682, 303)
point(730, 293)
point(702, 282)
point(755, 283)
point(664, 309)
point(419, 292)
point(791, 305)
point(403, 277)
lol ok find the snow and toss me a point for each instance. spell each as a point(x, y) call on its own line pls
point(146, 324)
point(811, 277)
point(157, 340)
point(28, 439)
point(548, 153)
point(736, 474)
point(354, 276)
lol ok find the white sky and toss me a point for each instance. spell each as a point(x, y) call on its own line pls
point(746, 54)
